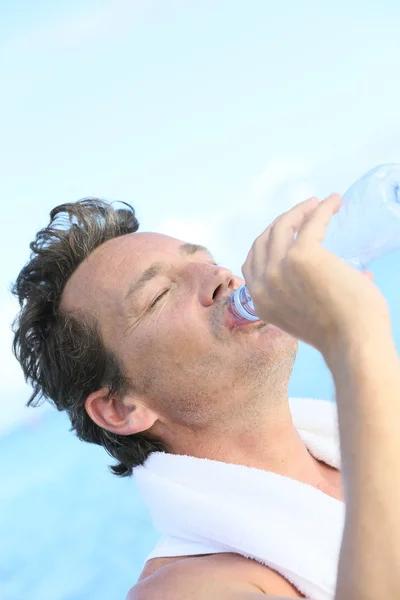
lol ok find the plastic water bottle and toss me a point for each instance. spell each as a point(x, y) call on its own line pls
point(366, 227)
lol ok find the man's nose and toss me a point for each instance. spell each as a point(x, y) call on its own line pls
point(217, 283)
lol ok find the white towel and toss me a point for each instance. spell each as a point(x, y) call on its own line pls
point(203, 506)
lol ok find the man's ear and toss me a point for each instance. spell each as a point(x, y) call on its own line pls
point(125, 417)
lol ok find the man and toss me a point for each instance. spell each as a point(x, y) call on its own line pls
point(130, 333)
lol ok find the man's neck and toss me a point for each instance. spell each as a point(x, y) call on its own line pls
point(272, 444)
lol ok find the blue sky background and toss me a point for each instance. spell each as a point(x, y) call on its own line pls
point(210, 117)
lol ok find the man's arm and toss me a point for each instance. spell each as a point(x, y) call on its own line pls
point(366, 372)
point(183, 580)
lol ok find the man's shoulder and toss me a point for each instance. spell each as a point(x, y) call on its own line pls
point(212, 576)
point(196, 578)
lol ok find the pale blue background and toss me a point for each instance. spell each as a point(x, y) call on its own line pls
point(211, 118)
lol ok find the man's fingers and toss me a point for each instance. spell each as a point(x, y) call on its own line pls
point(308, 219)
point(315, 226)
point(278, 237)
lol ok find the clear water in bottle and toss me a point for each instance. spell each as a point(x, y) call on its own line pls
point(366, 227)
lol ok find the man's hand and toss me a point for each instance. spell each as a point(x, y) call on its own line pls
point(304, 289)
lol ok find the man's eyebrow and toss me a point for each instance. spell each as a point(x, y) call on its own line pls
point(156, 268)
point(189, 249)
point(137, 286)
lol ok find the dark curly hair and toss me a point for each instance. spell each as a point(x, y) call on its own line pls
point(62, 354)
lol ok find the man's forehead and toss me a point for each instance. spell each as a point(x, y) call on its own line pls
point(150, 239)
point(142, 244)
point(140, 241)
point(116, 259)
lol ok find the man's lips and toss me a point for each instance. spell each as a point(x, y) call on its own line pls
point(232, 322)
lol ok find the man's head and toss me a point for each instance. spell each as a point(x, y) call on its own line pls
point(129, 332)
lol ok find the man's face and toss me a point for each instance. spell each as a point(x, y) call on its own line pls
point(162, 308)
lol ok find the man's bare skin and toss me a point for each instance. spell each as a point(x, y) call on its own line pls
point(236, 571)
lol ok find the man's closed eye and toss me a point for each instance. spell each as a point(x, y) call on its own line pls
point(159, 297)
